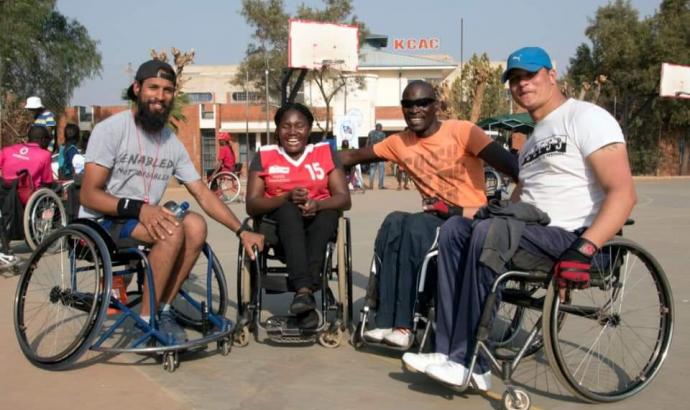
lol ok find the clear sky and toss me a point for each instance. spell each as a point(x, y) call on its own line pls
point(128, 29)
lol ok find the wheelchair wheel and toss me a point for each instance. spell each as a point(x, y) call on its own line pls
point(44, 213)
point(618, 331)
point(226, 186)
point(62, 297)
point(196, 287)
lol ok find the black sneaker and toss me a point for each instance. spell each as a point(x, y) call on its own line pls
point(302, 302)
point(308, 320)
point(167, 325)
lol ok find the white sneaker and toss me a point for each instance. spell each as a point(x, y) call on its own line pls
point(450, 373)
point(482, 382)
point(399, 338)
point(418, 362)
point(377, 335)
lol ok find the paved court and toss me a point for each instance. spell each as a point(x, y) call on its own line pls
point(288, 377)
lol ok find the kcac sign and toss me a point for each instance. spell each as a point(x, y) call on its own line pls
point(431, 43)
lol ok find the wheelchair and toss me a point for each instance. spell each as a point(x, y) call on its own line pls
point(424, 311)
point(66, 302)
point(268, 275)
point(226, 185)
point(42, 210)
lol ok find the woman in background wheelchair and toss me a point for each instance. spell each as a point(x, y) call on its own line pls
point(302, 188)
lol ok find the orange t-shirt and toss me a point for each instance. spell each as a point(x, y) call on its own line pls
point(443, 165)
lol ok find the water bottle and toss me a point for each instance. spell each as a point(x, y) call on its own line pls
point(179, 210)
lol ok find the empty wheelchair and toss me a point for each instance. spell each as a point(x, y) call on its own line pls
point(268, 275)
point(66, 303)
point(604, 343)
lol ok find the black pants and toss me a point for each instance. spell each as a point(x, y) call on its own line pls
point(304, 241)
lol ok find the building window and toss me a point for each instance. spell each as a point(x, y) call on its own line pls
point(241, 96)
point(207, 112)
point(195, 98)
point(85, 116)
point(208, 150)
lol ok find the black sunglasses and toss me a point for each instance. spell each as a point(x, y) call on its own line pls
point(421, 102)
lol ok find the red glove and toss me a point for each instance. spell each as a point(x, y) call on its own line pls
point(440, 208)
point(572, 268)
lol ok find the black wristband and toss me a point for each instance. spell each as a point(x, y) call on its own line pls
point(584, 246)
point(129, 208)
point(243, 228)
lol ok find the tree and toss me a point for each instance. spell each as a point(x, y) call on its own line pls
point(628, 53)
point(478, 93)
point(43, 53)
point(268, 48)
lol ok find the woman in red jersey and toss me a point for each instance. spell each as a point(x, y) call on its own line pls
point(302, 187)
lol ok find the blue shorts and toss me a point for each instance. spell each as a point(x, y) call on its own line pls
point(119, 228)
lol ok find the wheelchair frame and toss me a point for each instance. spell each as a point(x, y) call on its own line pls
point(87, 235)
point(334, 314)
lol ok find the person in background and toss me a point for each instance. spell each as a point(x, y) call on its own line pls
point(226, 156)
point(44, 118)
point(375, 136)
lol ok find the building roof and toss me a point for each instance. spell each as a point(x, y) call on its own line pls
point(373, 58)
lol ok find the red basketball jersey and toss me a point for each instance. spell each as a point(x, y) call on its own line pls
point(282, 174)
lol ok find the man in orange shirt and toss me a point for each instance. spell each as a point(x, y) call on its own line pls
point(445, 160)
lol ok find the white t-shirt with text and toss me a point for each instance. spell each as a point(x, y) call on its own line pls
point(555, 173)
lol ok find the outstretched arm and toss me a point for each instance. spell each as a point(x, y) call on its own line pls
point(502, 160)
point(357, 156)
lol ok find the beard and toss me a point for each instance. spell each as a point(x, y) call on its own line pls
point(149, 120)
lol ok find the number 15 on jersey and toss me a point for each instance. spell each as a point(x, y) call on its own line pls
point(315, 171)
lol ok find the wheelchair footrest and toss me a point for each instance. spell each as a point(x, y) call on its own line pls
point(285, 329)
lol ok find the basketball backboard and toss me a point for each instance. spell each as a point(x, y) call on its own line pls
point(313, 44)
point(675, 81)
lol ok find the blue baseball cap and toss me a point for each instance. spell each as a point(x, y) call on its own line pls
point(530, 59)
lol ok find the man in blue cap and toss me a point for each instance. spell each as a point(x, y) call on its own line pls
point(574, 167)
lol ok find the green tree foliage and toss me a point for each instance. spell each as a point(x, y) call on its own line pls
point(460, 97)
point(44, 53)
point(629, 52)
point(270, 40)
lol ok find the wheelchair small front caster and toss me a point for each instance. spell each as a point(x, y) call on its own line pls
point(225, 345)
point(520, 402)
point(241, 337)
point(331, 338)
point(170, 361)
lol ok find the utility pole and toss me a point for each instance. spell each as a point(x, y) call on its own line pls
point(268, 137)
point(462, 66)
point(246, 119)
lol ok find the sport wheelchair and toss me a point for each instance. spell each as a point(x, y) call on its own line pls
point(226, 185)
point(268, 275)
point(66, 304)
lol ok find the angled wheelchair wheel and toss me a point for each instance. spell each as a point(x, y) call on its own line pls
point(62, 297)
point(196, 289)
point(226, 185)
point(43, 214)
point(617, 332)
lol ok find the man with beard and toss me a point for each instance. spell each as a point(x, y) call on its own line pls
point(129, 161)
point(444, 159)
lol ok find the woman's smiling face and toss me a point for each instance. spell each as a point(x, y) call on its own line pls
point(293, 132)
